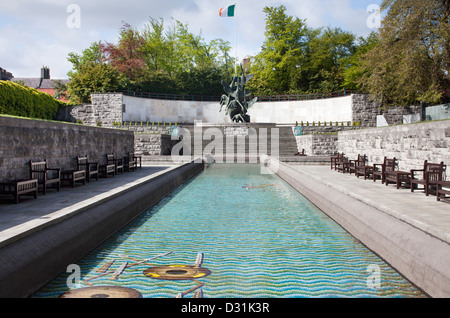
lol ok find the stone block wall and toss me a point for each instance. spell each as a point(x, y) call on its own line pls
point(150, 129)
point(106, 110)
point(153, 144)
point(22, 140)
point(410, 144)
point(365, 111)
point(317, 144)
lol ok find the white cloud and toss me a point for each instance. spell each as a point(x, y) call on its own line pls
point(34, 33)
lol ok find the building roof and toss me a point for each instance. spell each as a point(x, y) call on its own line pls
point(5, 75)
point(39, 83)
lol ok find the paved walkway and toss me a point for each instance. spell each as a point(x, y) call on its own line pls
point(31, 214)
point(416, 209)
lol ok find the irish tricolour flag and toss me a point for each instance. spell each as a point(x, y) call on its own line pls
point(228, 11)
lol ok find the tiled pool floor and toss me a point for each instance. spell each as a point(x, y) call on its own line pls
point(233, 232)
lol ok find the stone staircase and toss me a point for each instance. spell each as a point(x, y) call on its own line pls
point(237, 143)
point(240, 140)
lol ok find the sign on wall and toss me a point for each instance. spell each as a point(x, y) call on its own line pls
point(298, 131)
point(174, 131)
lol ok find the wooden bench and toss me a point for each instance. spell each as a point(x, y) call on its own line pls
point(73, 176)
point(118, 163)
point(443, 191)
point(47, 177)
point(363, 169)
point(16, 188)
point(400, 178)
point(342, 164)
point(430, 174)
point(379, 169)
point(109, 168)
point(301, 154)
point(334, 159)
point(91, 168)
point(138, 159)
point(130, 162)
point(355, 164)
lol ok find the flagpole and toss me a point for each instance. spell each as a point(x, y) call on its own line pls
point(235, 39)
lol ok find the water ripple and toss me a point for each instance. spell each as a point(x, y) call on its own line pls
point(267, 241)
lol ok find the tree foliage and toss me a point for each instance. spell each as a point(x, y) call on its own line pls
point(405, 62)
point(298, 59)
point(19, 100)
point(156, 59)
point(91, 74)
point(410, 62)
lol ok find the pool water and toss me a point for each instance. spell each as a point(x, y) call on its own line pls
point(252, 234)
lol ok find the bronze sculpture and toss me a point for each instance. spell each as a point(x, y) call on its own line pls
point(236, 105)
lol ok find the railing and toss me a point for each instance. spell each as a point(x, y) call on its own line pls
point(199, 98)
point(273, 98)
point(310, 96)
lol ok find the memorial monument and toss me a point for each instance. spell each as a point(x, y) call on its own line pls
point(235, 101)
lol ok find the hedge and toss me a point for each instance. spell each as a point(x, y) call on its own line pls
point(23, 101)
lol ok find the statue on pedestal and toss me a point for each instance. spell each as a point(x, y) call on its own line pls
point(235, 102)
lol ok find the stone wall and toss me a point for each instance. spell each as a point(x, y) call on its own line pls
point(150, 129)
point(22, 140)
point(410, 144)
point(365, 110)
point(111, 108)
point(317, 144)
point(151, 140)
point(153, 144)
point(106, 110)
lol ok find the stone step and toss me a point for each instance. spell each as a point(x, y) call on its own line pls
point(251, 135)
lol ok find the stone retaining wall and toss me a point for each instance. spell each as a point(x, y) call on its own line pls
point(317, 144)
point(106, 110)
point(22, 140)
point(410, 144)
point(153, 144)
point(365, 111)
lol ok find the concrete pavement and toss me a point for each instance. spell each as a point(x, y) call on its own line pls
point(30, 215)
point(413, 208)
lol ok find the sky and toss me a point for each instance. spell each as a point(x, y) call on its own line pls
point(37, 33)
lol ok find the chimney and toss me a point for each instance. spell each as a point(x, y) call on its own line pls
point(45, 72)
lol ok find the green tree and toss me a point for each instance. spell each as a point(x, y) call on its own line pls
point(352, 70)
point(90, 74)
point(275, 67)
point(190, 64)
point(298, 59)
point(330, 52)
point(156, 46)
point(411, 61)
point(158, 59)
point(127, 56)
